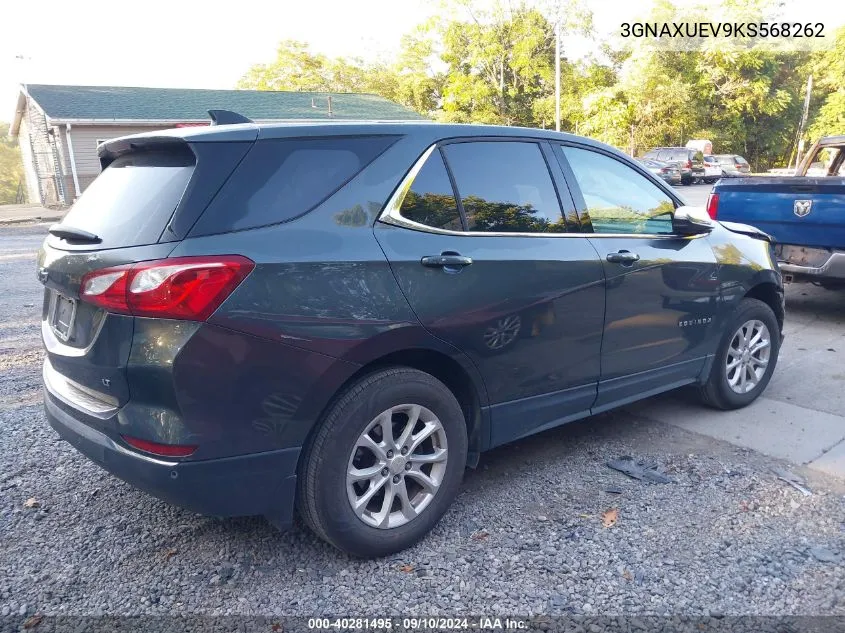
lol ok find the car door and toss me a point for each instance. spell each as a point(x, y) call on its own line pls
point(662, 289)
point(479, 245)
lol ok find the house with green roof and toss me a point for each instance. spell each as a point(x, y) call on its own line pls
point(59, 127)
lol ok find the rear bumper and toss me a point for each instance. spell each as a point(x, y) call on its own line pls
point(253, 484)
point(833, 268)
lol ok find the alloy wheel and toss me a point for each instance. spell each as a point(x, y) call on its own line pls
point(396, 466)
point(748, 356)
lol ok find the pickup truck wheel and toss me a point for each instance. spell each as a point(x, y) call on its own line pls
point(745, 359)
point(385, 463)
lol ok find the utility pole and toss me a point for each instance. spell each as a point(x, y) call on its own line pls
point(803, 122)
point(557, 75)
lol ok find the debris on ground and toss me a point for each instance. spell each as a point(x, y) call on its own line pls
point(609, 517)
point(32, 502)
point(793, 480)
point(824, 555)
point(639, 470)
point(613, 490)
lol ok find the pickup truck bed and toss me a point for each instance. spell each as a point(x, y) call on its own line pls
point(805, 216)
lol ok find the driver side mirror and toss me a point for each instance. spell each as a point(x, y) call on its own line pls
point(691, 221)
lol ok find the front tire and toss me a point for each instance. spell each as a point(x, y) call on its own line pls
point(385, 464)
point(746, 357)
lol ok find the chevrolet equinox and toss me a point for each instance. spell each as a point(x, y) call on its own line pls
point(338, 318)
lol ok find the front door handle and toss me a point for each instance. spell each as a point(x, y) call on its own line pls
point(626, 258)
point(446, 260)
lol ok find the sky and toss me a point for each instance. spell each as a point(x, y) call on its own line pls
point(189, 44)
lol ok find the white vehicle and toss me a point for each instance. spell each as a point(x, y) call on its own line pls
point(712, 169)
point(703, 145)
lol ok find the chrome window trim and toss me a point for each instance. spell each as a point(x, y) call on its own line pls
point(391, 214)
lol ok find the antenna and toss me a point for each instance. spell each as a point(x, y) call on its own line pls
point(227, 117)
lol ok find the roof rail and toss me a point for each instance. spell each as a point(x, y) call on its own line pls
point(227, 117)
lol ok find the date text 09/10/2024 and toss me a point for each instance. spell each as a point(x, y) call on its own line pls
point(418, 624)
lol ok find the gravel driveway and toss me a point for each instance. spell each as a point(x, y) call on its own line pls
point(525, 536)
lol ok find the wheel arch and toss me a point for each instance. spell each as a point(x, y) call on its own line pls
point(467, 389)
point(772, 295)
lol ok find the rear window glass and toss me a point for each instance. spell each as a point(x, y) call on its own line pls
point(285, 178)
point(740, 160)
point(131, 202)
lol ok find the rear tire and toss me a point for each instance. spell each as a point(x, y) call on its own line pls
point(410, 483)
point(739, 373)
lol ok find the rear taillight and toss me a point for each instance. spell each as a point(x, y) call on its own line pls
point(164, 450)
point(190, 288)
point(713, 205)
point(689, 164)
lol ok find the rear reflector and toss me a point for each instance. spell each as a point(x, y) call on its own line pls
point(713, 205)
point(164, 450)
point(189, 288)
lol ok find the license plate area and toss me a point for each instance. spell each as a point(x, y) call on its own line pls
point(62, 316)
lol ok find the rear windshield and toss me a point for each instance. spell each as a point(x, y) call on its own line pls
point(281, 179)
point(131, 202)
point(741, 161)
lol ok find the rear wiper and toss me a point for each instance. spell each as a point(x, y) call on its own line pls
point(74, 235)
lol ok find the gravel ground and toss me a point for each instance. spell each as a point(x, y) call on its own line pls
point(525, 536)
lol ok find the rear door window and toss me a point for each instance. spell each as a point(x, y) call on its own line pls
point(131, 202)
point(431, 200)
point(281, 179)
point(505, 186)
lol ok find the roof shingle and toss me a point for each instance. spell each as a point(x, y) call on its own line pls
point(190, 104)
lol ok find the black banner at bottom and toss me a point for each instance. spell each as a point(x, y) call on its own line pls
point(407, 624)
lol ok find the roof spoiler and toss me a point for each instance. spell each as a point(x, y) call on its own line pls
point(227, 117)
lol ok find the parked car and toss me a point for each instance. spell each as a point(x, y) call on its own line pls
point(733, 165)
point(689, 160)
point(712, 170)
point(340, 317)
point(804, 214)
point(670, 172)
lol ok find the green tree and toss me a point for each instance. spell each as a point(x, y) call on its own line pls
point(11, 168)
point(828, 68)
point(406, 81)
point(499, 62)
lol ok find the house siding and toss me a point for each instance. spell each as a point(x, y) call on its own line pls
point(84, 139)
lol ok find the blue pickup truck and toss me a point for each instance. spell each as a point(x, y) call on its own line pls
point(804, 213)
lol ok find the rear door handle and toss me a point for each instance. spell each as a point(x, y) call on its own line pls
point(623, 257)
point(446, 260)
